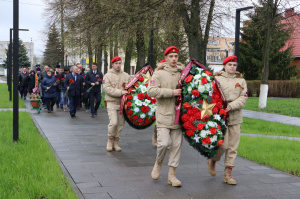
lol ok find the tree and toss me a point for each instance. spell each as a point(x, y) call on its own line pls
point(253, 48)
point(23, 58)
point(52, 54)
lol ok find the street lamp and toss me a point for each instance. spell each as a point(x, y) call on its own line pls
point(9, 64)
point(237, 30)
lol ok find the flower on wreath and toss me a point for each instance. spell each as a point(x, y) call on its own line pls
point(128, 104)
point(204, 80)
point(130, 112)
point(188, 79)
point(129, 97)
point(135, 117)
point(141, 96)
point(141, 79)
point(145, 109)
point(195, 93)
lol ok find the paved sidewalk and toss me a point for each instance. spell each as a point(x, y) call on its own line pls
point(272, 117)
point(11, 109)
point(80, 146)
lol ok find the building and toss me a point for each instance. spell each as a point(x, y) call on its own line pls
point(292, 19)
point(218, 48)
point(4, 46)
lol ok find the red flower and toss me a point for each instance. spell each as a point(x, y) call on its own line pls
point(84, 77)
point(220, 142)
point(195, 93)
point(148, 97)
point(205, 118)
point(219, 104)
point(130, 112)
point(71, 81)
point(192, 119)
point(222, 112)
point(188, 78)
point(153, 117)
point(62, 79)
point(145, 109)
point(198, 115)
point(132, 90)
point(140, 120)
point(206, 140)
point(128, 104)
point(147, 121)
point(146, 85)
point(190, 112)
point(153, 101)
point(213, 131)
point(208, 72)
point(141, 96)
point(213, 84)
point(100, 79)
point(188, 125)
point(189, 133)
point(200, 102)
point(129, 97)
point(141, 79)
point(134, 117)
point(200, 126)
point(187, 106)
point(58, 80)
point(184, 117)
point(136, 84)
point(215, 110)
point(204, 81)
point(219, 127)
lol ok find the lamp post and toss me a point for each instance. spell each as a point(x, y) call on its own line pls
point(66, 60)
point(9, 65)
point(237, 30)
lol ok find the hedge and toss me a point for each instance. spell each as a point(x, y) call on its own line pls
point(277, 88)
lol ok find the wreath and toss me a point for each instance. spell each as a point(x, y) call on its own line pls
point(202, 109)
point(137, 106)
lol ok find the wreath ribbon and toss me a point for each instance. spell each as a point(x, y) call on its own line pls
point(132, 82)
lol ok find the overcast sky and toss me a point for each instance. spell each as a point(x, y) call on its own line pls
point(31, 17)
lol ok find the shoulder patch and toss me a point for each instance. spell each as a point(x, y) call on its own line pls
point(152, 83)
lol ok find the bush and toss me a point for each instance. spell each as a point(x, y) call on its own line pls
point(277, 88)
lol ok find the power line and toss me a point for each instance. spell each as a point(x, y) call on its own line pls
point(32, 4)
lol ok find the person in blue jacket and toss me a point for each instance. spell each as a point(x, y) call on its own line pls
point(94, 78)
point(73, 83)
point(49, 84)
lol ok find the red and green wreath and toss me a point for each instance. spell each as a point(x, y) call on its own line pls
point(202, 113)
point(138, 107)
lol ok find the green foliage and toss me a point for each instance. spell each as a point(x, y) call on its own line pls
point(277, 153)
point(23, 58)
point(256, 126)
point(28, 167)
point(251, 50)
point(282, 106)
point(53, 51)
point(4, 98)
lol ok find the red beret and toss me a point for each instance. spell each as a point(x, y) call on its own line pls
point(162, 61)
point(230, 59)
point(171, 49)
point(116, 59)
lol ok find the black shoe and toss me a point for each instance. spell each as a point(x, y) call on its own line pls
point(61, 107)
point(73, 115)
point(49, 111)
point(57, 106)
point(96, 113)
point(93, 116)
point(52, 109)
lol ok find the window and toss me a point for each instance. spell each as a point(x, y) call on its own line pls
point(213, 42)
point(213, 49)
point(231, 51)
point(213, 58)
point(231, 43)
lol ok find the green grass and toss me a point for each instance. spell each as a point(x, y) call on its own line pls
point(277, 153)
point(4, 98)
point(256, 126)
point(281, 106)
point(28, 167)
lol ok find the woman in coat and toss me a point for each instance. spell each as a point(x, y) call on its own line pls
point(49, 85)
point(235, 90)
point(31, 83)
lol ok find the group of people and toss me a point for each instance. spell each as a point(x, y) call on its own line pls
point(68, 88)
point(168, 136)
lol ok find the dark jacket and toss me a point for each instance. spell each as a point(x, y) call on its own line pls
point(23, 79)
point(31, 83)
point(93, 78)
point(42, 76)
point(47, 82)
point(75, 88)
point(61, 78)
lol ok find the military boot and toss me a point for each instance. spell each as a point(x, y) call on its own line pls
point(228, 177)
point(211, 167)
point(156, 170)
point(172, 180)
point(116, 146)
point(109, 146)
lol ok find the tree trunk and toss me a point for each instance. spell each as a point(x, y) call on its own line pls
point(105, 60)
point(90, 50)
point(62, 33)
point(116, 43)
point(128, 53)
point(263, 96)
point(140, 47)
point(99, 57)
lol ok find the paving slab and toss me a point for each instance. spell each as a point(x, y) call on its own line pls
point(79, 144)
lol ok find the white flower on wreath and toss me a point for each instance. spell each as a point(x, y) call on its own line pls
point(217, 117)
point(201, 88)
point(204, 133)
point(146, 102)
point(190, 89)
point(214, 138)
point(143, 89)
point(207, 87)
point(138, 102)
point(142, 116)
point(209, 147)
point(152, 106)
point(150, 113)
point(196, 138)
point(135, 98)
point(211, 124)
point(197, 77)
point(136, 109)
point(199, 69)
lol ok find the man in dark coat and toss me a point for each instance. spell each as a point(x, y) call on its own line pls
point(60, 88)
point(73, 83)
point(94, 78)
point(31, 82)
point(23, 82)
